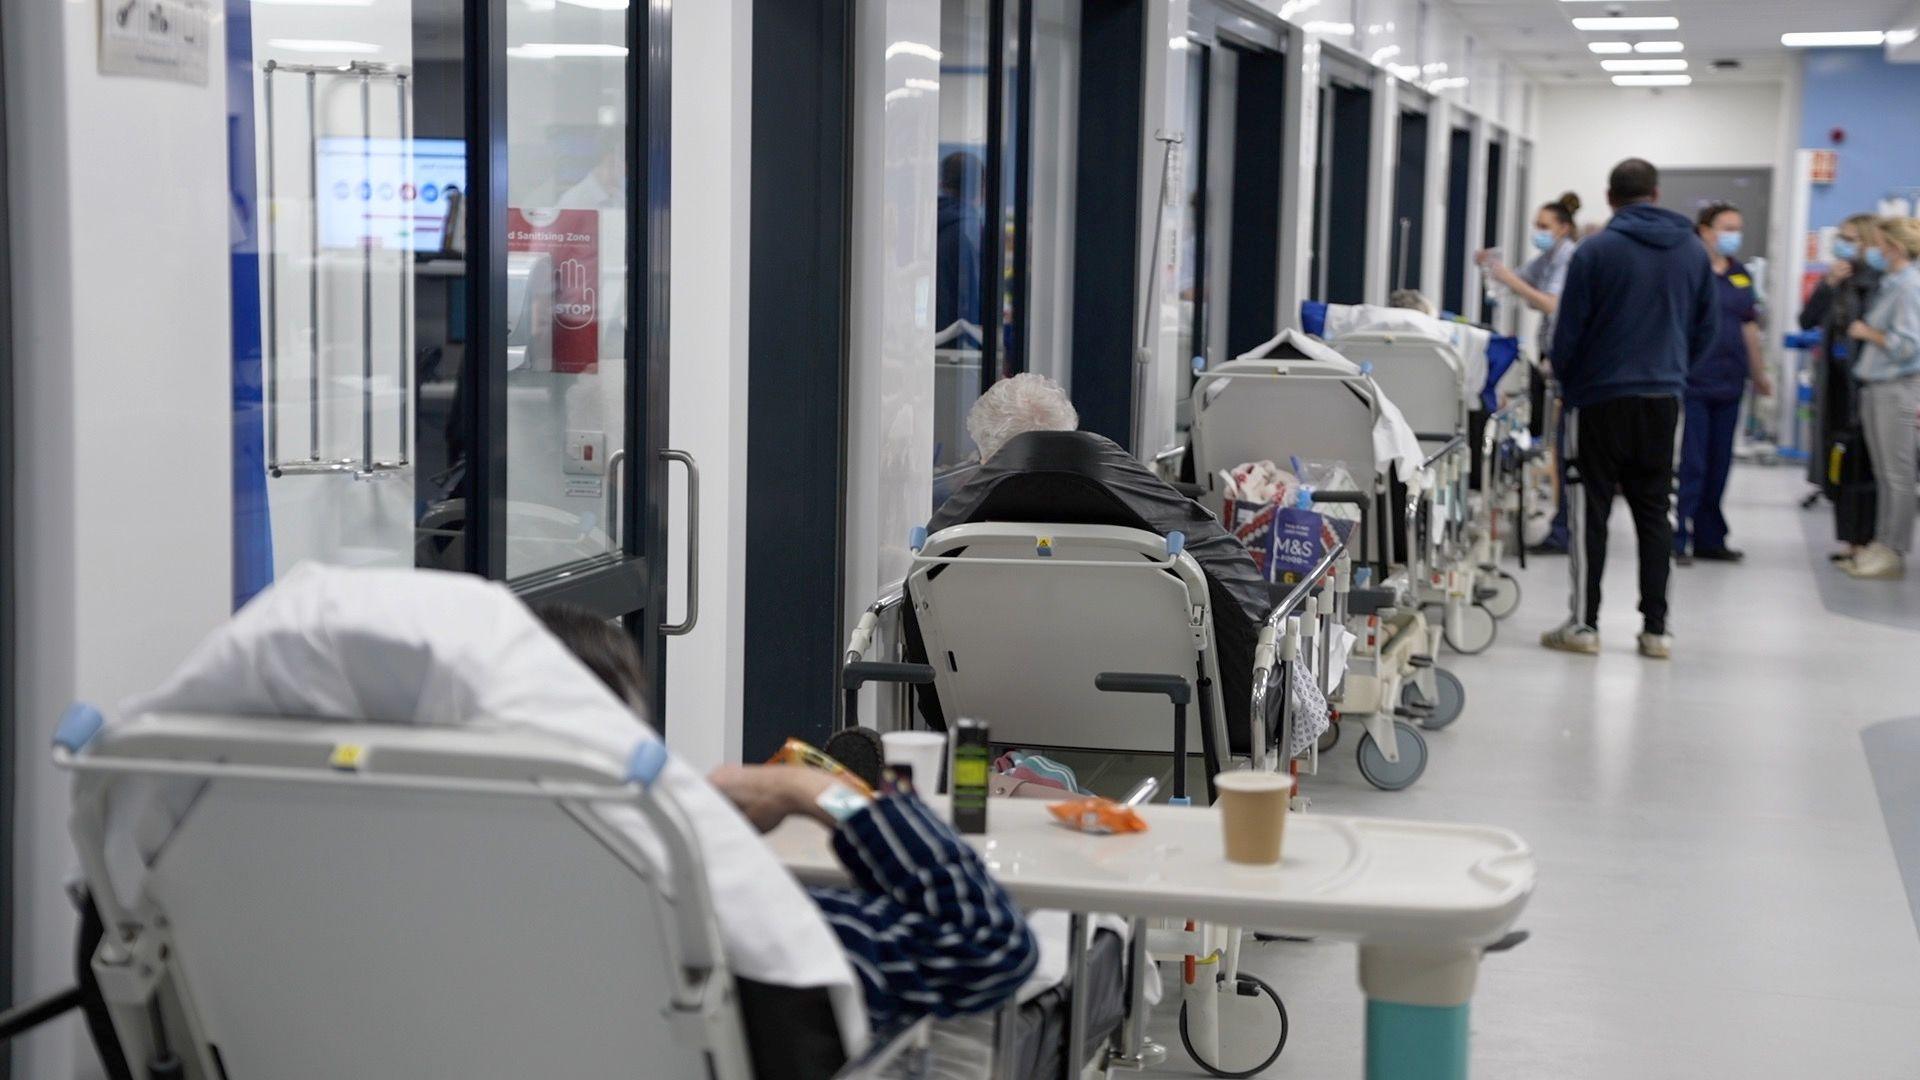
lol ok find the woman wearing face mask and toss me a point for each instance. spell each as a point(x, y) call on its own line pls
point(1889, 374)
point(1840, 298)
point(1538, 285)
point(1715, 384)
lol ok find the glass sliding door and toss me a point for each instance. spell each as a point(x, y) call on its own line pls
point(980, 277)
point(455, 357)
point(1496, 173)
point(1190, 264)
point(1409, 201)
point(1453, 296)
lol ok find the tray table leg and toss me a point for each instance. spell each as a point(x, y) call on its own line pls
point(1417, 1010)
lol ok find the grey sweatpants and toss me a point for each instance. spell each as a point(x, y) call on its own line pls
point(1886, 413)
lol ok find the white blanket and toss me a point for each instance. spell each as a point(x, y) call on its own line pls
point(1469, 343)
point(451, 650)
point(1393, 438)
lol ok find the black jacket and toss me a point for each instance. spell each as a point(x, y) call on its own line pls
point(1077, 477)
point(1836, 406)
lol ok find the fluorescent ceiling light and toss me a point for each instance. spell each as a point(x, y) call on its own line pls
point(1381, 56)
point(1329, 29)
point(1609, 48)
point(1653, 80)
point(1832, 37)
point(313, 3)
point(1627, 22)
point(1897, 38)
point(1659, 46)
point(599, 5)
point(320, 45)
point(1644, 65)
point(548, 50)
point(1454, 83)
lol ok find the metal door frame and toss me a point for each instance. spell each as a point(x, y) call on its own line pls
point(9, 605)
point(630, 584)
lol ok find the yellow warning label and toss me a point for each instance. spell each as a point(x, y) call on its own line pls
point(348, 757)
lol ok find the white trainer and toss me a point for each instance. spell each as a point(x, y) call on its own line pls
point(1878, 562)
point(1572, 638)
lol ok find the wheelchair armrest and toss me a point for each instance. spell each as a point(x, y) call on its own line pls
point(1191, 491)
point(861, 672)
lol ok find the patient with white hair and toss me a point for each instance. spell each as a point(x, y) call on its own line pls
point(1036, 465)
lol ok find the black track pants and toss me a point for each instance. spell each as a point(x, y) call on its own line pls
point(1624, 445)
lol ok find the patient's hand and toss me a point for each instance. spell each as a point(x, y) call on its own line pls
point(767, 794)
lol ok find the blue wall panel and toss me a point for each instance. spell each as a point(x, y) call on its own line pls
point(1876, 102)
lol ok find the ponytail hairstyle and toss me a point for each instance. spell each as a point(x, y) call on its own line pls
point(1564, 210)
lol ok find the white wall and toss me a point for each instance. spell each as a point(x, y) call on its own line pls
point(1585, 130)
point(712, 113)
point(119, 209)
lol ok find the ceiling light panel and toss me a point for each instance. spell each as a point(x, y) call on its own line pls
point(1659, 46)
point(1609, 48)
point(1832, 38)
point(1644, 65)
point(1617, 23)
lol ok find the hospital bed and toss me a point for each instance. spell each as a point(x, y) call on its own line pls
point(1255, 409)
point(1125, 648)
point(379, 900)
point(1432, 384)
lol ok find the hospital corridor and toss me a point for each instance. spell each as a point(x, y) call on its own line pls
point(959, 539)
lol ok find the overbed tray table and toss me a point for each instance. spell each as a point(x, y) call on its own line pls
point(1422, 900)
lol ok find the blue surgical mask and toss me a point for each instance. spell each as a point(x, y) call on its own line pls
point(1845, 250)
point(1542, 240)
point(1729, 243)
point(1876, 259)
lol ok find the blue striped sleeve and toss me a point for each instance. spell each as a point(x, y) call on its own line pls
point(927, 929)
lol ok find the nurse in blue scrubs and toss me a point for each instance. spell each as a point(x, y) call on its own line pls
point(1715, 385)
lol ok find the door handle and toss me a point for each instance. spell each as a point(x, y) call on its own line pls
point(693, 544)
point(616, 498)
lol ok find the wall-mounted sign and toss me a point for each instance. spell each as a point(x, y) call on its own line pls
point(572, 239)
point(1825, 166)
point(155, 39)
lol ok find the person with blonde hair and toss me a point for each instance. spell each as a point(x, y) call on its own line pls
point(1889, 374)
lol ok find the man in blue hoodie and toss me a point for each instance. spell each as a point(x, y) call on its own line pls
point(1638, 308)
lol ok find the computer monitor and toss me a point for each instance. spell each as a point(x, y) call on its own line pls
point(389, 192)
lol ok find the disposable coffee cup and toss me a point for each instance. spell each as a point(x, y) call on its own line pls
point(1253, 815)
point(925, 752)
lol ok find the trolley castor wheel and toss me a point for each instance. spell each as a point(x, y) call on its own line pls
point(1329, 738)
point(1501, 595)
point(1393, 775)
point(1450, 694)
point(1273, 1034)
point(1476, 631)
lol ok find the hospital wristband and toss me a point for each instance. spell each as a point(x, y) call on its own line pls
point(840, 802)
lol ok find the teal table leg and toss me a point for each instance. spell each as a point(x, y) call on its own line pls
point(1416, 1042)
point(1417, 1010)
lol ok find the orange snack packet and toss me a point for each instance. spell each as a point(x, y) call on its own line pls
point(1096, 815)
point(800, 752)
